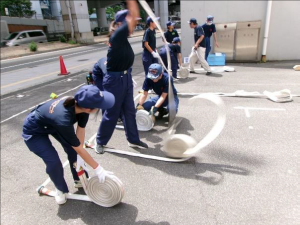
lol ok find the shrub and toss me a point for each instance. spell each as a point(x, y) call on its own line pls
point(72, 42)
point(33, 47)
point(63, 39)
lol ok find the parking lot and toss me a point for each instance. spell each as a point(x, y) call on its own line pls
point(248, 175)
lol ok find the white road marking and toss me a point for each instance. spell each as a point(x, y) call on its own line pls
point(75, 53)
point(26, 110)
point(266, 109)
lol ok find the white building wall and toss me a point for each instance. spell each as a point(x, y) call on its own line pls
point(284, 34)
point(36, 6)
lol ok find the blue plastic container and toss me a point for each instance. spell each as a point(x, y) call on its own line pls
point(214, 60)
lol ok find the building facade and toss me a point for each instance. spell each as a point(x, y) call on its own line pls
point(283, 41)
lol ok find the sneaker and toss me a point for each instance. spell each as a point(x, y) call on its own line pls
point(138, 145)
point(60, 197)
point(175, 79)
point(162, 112)
point(100, 149)
point(119, 122)
point(77, 184)
point(208, 73)
point(192, 71)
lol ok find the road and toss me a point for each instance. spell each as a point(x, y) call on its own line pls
point(248, 175)
point(25, 72)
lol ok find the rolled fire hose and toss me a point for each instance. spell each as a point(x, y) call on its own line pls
point(144, 121)
point(184, 146)
point(277, 96)
point(107, 194)
point(171, 99)
point(183, 72)
point(181, 147)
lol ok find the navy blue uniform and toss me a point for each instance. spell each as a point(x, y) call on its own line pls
point(52, 118)
point(118, 81)
point(208, 31)
point(148, 59)
point(198, 32)
point(99, 70)
point(120, 55)
point(171, 35)
point(174, 50)
point(159, 87)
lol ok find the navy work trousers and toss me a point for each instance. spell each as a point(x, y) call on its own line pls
point(174, 61)
point(148, 59)
point(152, 101)
point(120, 85)
point(40, 144)
point(208, 47)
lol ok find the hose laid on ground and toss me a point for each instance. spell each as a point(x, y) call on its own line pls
point(181, 147)
point(284, 95)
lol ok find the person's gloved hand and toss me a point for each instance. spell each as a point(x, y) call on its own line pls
point(80, 163)
point(153, 110)
point(139, 107)
point(102, 174)
point(155, 54)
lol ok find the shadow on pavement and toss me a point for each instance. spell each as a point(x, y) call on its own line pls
point(209, 173)
point(91, 213)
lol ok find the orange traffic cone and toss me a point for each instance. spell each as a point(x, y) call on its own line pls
point(63, 70)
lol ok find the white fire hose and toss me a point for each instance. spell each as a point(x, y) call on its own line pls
point(281, 96)
point(181, 147)
point(107, 194)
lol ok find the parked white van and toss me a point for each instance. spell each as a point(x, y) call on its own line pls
point(24, 37)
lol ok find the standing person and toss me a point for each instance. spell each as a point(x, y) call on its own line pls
point(175, 54)
point(57, 118)
point(159, 82)
point(171, 33)
point(209, 29)
point(199, 48)
point(118, 81)
point(149, 45)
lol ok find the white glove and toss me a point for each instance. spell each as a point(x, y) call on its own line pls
point(102, 174)
point(80, 163)
point(155, 54)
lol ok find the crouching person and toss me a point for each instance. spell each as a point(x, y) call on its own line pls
point(158, 81)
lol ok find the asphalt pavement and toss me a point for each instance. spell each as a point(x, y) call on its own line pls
point(248, 175)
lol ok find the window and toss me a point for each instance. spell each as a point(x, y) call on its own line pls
point(23, 35)
point(35, 34)
point(11, 36)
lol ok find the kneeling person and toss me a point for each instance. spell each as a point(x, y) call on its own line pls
point(159, 82)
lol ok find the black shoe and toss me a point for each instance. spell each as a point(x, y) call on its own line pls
point(208, 73)
point(138, 145)
point(162, 112)
point(192, 71)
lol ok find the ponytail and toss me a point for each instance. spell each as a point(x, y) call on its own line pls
point(69, 102)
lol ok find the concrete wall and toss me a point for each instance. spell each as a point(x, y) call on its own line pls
point(284, 34)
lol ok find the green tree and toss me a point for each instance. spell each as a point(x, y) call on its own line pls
point(18, 8)
point(112, 10)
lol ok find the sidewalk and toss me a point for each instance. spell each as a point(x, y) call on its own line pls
point(19, 51)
